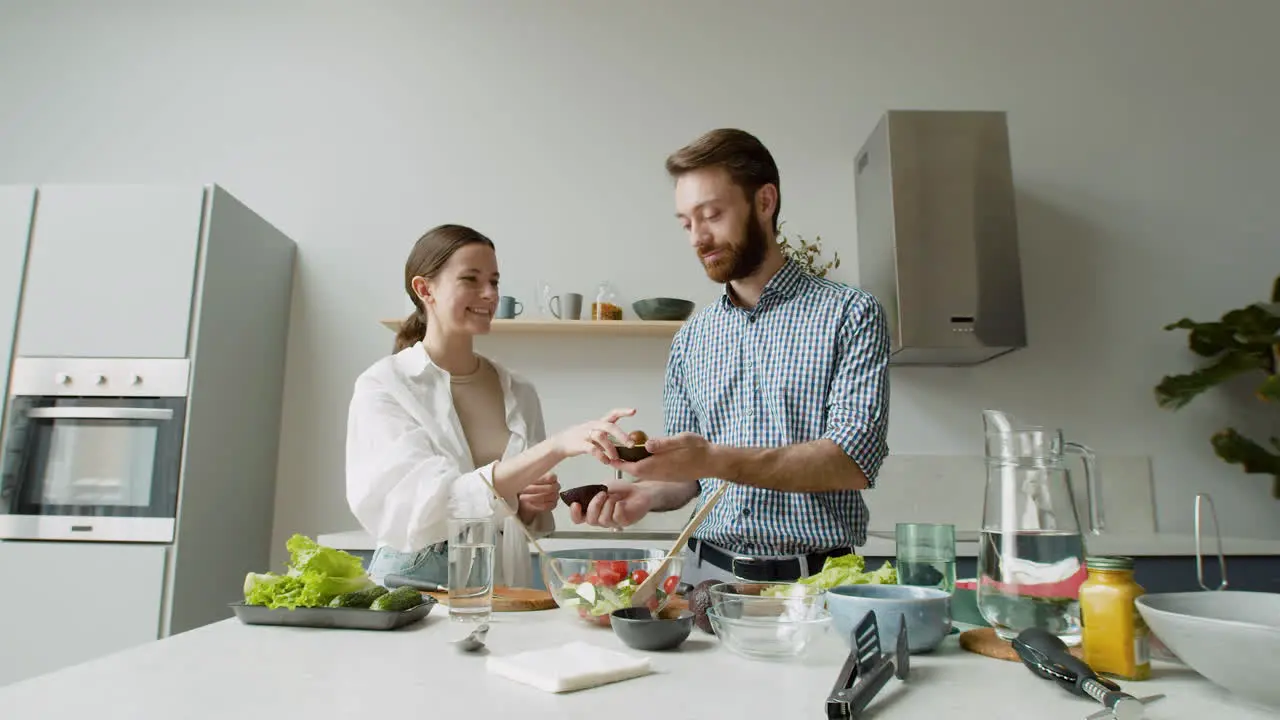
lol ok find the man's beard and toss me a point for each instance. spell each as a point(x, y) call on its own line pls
point(740, 260)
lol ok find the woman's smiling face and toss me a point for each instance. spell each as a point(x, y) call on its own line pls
point(463, 297)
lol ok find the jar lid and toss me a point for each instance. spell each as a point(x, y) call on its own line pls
point(1109, 562)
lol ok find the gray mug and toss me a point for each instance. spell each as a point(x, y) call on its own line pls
point(572, 306)
point(508, 307)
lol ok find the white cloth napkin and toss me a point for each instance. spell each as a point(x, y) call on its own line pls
point(569, 667)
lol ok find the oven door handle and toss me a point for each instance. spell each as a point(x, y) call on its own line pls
point(100, 413)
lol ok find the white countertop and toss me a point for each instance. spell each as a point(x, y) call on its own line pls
point(228, 670)
point(880, 544)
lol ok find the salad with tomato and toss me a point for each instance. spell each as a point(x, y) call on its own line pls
point(610, 586)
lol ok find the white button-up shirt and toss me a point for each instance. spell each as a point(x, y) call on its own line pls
point(409, 467)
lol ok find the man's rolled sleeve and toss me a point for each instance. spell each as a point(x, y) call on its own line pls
point(858, 402)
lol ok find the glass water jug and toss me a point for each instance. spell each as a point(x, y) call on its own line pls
point(1031, 550)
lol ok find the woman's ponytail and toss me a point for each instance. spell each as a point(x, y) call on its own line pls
point(413, 329)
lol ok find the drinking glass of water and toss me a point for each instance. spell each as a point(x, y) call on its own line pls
point(927, 555)
point(471, 554)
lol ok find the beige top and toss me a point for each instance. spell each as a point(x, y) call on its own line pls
point(477, 398)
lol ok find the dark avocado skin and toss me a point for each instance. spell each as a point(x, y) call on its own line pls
point(637, 451)
point(582, 495)
point(699, 601)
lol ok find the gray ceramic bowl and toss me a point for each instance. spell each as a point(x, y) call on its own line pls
point(638, 628)
point(927, 612)
point(1231, 637)
point(663, 309)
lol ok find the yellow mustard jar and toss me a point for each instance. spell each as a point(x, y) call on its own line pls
point(1114, 639)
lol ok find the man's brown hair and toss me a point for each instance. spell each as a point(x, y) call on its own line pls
point(740, 153)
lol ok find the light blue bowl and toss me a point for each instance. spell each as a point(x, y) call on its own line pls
point(927, 612)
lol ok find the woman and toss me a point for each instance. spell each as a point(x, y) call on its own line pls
point(434, 430)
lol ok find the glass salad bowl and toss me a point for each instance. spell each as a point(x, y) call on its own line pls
point(593, 582)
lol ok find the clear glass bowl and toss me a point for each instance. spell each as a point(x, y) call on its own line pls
point(787, 599)
point(768, 632)
point(597, 581)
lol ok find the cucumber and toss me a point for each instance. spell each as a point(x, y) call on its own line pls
point(360, 598)
point(398, 600)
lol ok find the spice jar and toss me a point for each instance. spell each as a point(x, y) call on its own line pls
point(1114, 639)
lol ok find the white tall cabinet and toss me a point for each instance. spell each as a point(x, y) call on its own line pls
point(142, 271)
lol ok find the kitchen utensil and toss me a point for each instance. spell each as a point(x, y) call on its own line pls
point(512, 599)
point(646, 591)
point(393, 581)
point(867, 668)
point(601, 580)
point(925, 611)
point(641, 629)
point(1046, 655)
point(474, 640)
point(1231, 637)
point(1031, 550)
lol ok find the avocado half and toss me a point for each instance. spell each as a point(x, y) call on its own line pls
point(582, 494)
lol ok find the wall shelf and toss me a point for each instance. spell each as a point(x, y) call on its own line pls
point(615, 328)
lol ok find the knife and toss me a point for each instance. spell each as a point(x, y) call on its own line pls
point(395, 581)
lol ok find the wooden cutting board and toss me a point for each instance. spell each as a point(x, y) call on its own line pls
point(510, 599)
point(985, 641)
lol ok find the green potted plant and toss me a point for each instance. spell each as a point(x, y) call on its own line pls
point(1244, 341)
point(806, 253)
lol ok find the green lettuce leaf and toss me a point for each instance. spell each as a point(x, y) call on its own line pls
point(316, 574)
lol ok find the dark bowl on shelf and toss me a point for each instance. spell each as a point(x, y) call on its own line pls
point(663, 308)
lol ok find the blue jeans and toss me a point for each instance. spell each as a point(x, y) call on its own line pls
point(431, 564)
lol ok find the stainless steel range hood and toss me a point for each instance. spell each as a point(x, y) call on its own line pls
point(938, 235)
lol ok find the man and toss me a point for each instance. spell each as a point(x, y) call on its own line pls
point(780, 388)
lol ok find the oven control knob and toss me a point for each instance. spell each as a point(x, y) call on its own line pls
point(62, 379)
point(100, 380)
point(135, 380)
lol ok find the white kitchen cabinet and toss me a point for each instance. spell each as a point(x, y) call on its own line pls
point(15, 225)
point(67, 603)
point(111, 271)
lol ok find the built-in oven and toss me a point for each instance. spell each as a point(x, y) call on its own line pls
point(93, 449)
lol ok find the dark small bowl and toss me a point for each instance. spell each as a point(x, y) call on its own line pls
point(632, 454)
point(639, 629)
point(663, 308)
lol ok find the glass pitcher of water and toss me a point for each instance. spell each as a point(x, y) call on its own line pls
point(1031, 550)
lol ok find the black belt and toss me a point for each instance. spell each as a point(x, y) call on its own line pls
point(754, 569)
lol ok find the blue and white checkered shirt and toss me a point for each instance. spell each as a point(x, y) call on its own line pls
point(810, 361)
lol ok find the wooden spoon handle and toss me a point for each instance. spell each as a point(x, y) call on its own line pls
point(649, 587)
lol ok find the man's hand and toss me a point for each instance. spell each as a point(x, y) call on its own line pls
point(621, 506)
point(538, 497)
point(679, 458)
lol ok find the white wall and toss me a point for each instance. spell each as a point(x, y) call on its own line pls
point(1143, 139)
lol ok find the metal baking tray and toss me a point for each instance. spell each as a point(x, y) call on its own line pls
point(336, 618)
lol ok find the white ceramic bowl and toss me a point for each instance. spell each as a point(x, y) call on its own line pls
point(1231, 637)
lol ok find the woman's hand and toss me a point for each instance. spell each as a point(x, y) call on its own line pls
point(538, 497)
point(594, 437)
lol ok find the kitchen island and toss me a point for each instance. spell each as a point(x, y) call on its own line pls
point(228, 670)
